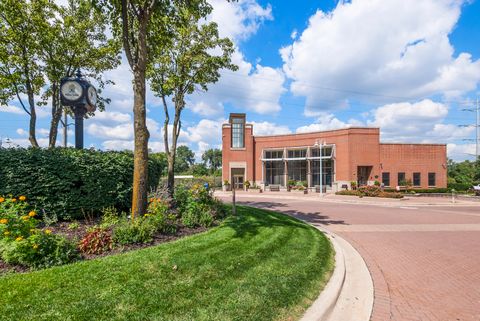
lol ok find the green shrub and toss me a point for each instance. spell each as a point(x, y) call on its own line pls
point(130, 232)
point(197, 206)
point(159, 215)
point(348, 192)
point(67, 181)
point(41, 249)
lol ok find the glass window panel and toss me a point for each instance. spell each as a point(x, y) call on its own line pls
point(238, 132)
point(327, 170)
point(273, 154)
point(401, 179)
point(297, 170)
point(386, 179)
point(326, 151)
point(431, 179)
point(274, 173)
point(297, 153)
point(416, 179)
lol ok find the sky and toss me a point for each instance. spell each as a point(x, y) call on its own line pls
point(409, 67)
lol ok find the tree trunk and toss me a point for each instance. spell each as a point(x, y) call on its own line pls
point(33, 119)
point(171, 175)
point(56, 115)
point(140, 172)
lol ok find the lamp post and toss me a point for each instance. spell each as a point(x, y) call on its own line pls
point(320, 146)
point(79, 94)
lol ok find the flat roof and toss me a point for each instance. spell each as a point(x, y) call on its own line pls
point(318, 132)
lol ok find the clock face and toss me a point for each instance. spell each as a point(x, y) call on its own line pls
point(72, 90)
point(92, 96)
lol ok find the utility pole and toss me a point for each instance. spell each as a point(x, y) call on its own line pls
point(476, 110)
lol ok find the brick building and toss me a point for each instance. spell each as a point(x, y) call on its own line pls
point(337, 156)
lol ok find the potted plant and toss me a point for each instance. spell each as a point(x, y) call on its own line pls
point(247, 185)
point(353, 184)
point(226, 185)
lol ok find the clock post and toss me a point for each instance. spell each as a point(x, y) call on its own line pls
point(79, 94)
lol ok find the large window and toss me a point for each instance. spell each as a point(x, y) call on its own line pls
point(274, 154)
point(432, 179)
point(238, 132)
point(297, 153)
point(326, 151)
point(274, 172)
point(416, 179)
point(297, 170)
point(327, 170)
point(386, 179)
point(401, 179)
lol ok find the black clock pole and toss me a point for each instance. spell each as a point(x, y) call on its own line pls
point(79, 115)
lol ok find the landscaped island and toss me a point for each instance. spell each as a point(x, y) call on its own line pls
point(258, 265)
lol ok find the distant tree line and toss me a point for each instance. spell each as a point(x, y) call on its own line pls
point(185, 162)
point(463, 175)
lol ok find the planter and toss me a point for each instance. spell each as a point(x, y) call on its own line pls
point(226, 188)
point(254, 190)
point(297, 191)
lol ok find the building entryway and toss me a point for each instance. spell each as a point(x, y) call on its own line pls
point(363, 173)
point(238, 177)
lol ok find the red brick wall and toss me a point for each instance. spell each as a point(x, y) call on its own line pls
point(354, 147)
point(410, 158)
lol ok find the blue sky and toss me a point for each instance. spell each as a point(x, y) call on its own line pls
point(406, 66)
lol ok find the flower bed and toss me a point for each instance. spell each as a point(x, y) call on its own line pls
point(370, 191)
point(27, 242)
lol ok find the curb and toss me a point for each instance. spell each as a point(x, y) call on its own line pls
point(348, 294)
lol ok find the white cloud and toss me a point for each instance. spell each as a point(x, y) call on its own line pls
point(253, 87)
point(239, 20)
point(407, 121)
point(12, 109)
point(391, 49)
point(267, 128)
point(328, 122)
point(460, 152)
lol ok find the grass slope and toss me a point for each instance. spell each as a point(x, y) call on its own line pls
point(258, 266)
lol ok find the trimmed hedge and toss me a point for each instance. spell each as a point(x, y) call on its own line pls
point(68, 182)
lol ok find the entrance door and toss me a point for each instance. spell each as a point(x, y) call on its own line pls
point(238, 180)
point(363, 173)
point(238, 177)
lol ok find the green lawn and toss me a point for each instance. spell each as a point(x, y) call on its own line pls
point(258, 266)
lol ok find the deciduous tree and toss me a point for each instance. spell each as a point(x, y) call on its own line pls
point(190, 60)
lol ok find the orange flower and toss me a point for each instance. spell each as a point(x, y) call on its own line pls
point(18, 239)
point(3, 221)
point(22, 198)
point(32, 214)
point(2, 200)
point(14, 200)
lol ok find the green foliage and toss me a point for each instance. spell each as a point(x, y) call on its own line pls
point(110, 217)
point(159, 215)
point(196, 206)
point(137, 231)
point(370, 191)
point(41, 249)
point(15, 219)
point(21, 242)
point(198, 170)
point(184, 158)
point(212, 158)
point(466, 174)
point(70, 182)
point(96, 242)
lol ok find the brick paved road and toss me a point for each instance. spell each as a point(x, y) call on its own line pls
point(425, 261)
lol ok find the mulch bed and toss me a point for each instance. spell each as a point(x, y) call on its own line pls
point(83, 225)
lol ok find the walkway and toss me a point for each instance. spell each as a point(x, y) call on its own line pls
point(424, 260)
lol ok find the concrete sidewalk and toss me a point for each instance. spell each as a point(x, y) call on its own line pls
point(345, 199)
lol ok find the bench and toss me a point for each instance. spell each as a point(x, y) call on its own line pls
point(274, 188)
